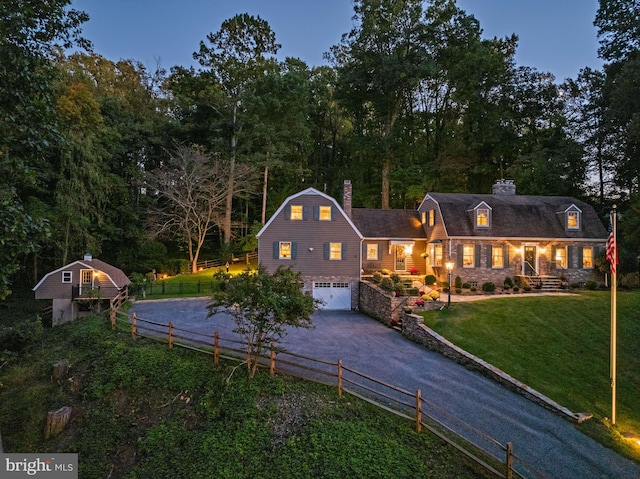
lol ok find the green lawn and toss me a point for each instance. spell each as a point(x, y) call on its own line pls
point(560, 346)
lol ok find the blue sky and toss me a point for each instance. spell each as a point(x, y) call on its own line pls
point(557, 36)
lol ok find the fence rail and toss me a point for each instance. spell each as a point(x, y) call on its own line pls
point(496, 458)
point(218, 262)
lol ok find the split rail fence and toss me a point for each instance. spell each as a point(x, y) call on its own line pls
point(496, 458)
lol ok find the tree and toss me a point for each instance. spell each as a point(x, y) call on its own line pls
point(191, 192)
point(263, 306)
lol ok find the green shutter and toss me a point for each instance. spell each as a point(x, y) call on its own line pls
point(276, 250)
point(460, 252)
point(316, 213)
point(294, 250)
point(478, 255)
point(327, 250)
point(489, 256)
point(305, 212)
point(287, 212)
point(580, 258)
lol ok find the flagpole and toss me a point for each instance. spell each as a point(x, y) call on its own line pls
point(614, 300)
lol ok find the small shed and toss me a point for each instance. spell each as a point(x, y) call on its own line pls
point(80, 287)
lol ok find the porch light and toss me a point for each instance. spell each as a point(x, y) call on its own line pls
point(543, 250)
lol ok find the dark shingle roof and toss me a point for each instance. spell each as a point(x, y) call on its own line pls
point(517, 216)
point(374, 223)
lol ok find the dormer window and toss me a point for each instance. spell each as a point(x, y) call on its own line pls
point(423, 217)
point(483, 216)
point(432, 217)
point(572, 215)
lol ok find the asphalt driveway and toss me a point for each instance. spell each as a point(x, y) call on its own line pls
point(541, 438)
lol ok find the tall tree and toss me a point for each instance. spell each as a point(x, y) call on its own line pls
point(191, 192)
point(236, 56)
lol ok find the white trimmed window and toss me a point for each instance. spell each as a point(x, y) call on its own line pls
point(561, 257)
point(468, 253)
point(573, 220)
point(372, 251)
point(587, 257)
point(482, 218)
point(67, 276)
point(497, 258)
point(285, 250)
point(436, 254)
point(335, 251)
point(325, 213)
point(296, 212)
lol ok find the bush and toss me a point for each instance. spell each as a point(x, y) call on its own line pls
point(430, 279)
point(413, 291)
point(473, 289)
point(377, 277)
point(466, 285)
point(516, 289)
point(458, 282)
point(395, 278)
point(488, 287)
point(526, 288)
point(591, 285)
point(175, 266)
point(508, 282)
point(458, 291)
point(387, 284)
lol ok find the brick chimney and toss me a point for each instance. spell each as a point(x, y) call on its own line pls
point(504, 187)
point(346, 197)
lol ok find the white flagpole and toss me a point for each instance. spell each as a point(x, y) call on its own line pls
point(614, 300)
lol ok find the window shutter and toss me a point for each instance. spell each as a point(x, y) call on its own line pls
point(505, 256)
point(332, 213)
point(478, 255)
point(326, 250)
point(294, 250)
point(379, 252)
point(343, 251)
point(276, 250)
point(489, 256)
point(287, 212)
point(460, 252)
point(580, 265)
point(552, 260)
point(305, 212)
point(570, 262)
point(316, 213)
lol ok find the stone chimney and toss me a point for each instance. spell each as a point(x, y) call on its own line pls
point(504, 187)
point(346, 197)
point(88, 257)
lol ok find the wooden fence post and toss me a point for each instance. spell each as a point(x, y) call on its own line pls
point(340, 377)
point(216, 348)
point(272, 365)
point(418, 411)
point(509, 463)
point(133, 326)
point(112, 316)
point(170, 334)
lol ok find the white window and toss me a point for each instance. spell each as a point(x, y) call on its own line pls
point(325, 213)
point(482, 218)
point(587, 257)
point(87, 276)
point(296, 212)
point(285, 250)
point(335, 250)
point(67, 276)
point(573, 220)
point(436, 254)
point(497, 260)
point(468, 252)
point(372, 251)
point(561, 258)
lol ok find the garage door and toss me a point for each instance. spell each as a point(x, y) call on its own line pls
point(334, 295)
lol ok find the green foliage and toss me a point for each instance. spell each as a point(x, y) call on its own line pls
point(263, 306)
point(592, 285)
point(488, 287)
point(430, 279)
point(395, 278)
point(457, 282)
point(466, 285)
point(387, 284)
point(377, 277)
point(508, 282)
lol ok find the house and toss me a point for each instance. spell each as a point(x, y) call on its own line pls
point(80, 286)
point(484, 238)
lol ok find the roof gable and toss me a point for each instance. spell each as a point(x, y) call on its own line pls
point(115, 275)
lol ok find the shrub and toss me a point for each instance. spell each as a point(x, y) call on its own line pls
point(458, 291)
point(508, 282)
point(473, 289)
point(591, 285)
point(466, 285)
point(516, 289)
point(413, 291)
point(458, 282)
point(377, 276)
point(526, 288)
point(430, 279)
point(488, 287)
point(395, 278)
point(387, 284)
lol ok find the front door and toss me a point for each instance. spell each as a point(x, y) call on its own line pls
point(530, 261)
point(401, 258)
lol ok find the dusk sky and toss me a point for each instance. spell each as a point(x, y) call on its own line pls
point(555, 36)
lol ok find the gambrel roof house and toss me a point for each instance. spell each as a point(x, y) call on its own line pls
point(486, 237)
point(77, 284)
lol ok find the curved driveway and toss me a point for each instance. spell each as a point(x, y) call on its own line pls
point(541, 438)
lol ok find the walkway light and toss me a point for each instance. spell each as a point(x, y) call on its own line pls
point(449, 266)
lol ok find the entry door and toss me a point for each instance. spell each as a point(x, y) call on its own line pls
point(530, 261)
point(86, 280)
point(401, 258)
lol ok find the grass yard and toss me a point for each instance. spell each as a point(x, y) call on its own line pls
point(560, 346)
point(142, 410)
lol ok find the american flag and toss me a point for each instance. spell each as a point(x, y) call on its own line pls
point(612, 250)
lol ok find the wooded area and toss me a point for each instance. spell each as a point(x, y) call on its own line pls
point(93, 150)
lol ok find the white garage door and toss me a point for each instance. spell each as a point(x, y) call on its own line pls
point(335, 295)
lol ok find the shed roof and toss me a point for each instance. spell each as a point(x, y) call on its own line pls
point(115, 275)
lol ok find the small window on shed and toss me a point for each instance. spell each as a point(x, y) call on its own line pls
point(67, 276)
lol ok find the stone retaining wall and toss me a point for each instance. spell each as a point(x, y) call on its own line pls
point(386, 307)
point(414, 329)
